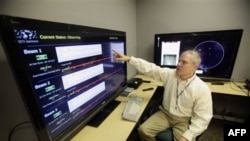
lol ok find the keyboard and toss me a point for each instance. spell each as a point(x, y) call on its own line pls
point(132, 109)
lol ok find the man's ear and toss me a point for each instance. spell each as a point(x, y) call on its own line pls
point(196, 66)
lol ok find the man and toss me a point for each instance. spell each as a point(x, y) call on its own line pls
point(187, 102)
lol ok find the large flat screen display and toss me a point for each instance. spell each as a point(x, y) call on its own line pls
point(218, 50)
point(66, 73)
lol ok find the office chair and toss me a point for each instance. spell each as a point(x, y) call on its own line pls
point(167, 135)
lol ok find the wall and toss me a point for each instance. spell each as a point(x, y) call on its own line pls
point(170, 16)
point(111, 14)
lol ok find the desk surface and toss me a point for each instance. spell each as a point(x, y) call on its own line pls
point(114, 128)
point(229, 88)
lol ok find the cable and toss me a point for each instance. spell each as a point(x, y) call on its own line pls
point(15, 127)
point(242, 89)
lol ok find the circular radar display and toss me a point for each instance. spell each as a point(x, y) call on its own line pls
point(212, 53)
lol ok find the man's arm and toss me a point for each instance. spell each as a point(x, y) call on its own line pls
point(144, 67)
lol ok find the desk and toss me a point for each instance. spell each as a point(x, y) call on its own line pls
point(229, 88)
point(230, 101)
point(114, 128)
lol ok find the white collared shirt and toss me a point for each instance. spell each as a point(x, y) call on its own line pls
point(194, 102)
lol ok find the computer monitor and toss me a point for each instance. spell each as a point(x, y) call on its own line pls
point(66, 73)
point(218, 50)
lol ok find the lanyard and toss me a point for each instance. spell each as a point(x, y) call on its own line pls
point(179, 94)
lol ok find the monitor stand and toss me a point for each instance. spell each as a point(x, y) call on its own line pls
point(103, 114)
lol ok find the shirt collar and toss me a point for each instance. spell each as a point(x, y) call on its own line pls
point(187, 80)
